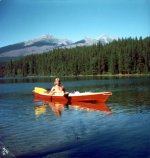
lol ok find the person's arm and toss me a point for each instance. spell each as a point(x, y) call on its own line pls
point(52, 91)
point(63, 89)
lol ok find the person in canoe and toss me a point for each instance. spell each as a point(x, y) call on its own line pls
point(57, 89)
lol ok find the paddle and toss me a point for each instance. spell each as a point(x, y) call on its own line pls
point(38, 90)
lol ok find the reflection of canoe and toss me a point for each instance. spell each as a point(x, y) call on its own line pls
point(102, 107)
point(72, 97)
point(58, 108)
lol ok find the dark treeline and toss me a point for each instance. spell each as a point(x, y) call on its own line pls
point(124, 56)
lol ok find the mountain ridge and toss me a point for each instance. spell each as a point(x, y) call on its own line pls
point(47, 43)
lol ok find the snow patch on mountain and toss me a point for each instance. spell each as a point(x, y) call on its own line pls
point(105, 39)
point(48, 39)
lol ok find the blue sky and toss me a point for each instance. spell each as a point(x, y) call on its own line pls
point(21, 20)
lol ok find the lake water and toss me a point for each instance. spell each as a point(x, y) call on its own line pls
point(38, 129)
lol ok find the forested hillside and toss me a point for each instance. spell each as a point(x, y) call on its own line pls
point(124, 56)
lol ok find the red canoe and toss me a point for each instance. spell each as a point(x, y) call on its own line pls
point(41, 93)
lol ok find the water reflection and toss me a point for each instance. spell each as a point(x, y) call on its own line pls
point(57, 108)
point(91, 106)
point(39, 110)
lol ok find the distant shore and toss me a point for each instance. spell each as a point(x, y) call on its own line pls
point(76, 76)
point(103, 75)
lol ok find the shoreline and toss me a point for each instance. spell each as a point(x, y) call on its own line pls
point(73, 76)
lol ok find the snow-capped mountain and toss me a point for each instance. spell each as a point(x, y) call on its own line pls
point(105, 39)
point(86, 41)
point(47, 40)
point(47, 43)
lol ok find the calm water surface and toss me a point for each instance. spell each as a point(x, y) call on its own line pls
point(32, 128)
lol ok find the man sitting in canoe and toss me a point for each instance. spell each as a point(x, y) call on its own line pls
point(58, 89)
